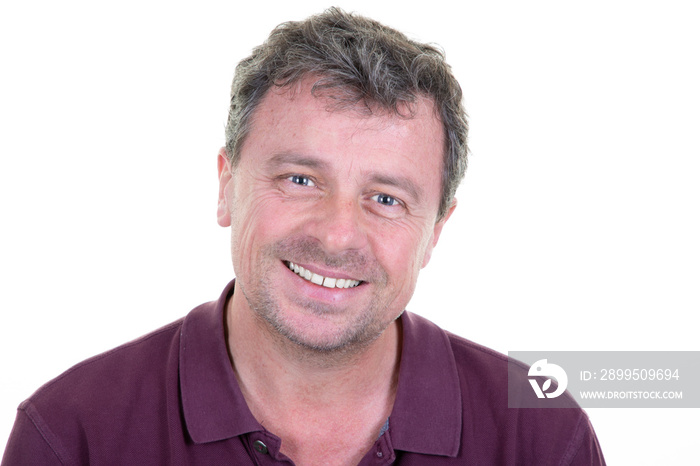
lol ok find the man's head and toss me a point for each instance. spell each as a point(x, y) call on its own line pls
point(356, 61)
point(335, 189)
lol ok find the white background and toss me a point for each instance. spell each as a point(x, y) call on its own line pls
point(577, 226)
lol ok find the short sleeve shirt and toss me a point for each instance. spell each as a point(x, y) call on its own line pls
point(171, 398)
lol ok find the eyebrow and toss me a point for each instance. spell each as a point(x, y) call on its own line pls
point(400, 182)
point(291, 158)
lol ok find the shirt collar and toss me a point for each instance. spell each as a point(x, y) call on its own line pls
point(427, 413)
point(212, 401)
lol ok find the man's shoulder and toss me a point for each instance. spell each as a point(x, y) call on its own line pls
point(475, 357)
point(111, 403)
point(490, 377)
point(135, 363)
point(471, 359)
point(96, 401)
point(483, 374)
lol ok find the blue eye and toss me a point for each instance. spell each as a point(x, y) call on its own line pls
point(385, 199)
point(301, 180)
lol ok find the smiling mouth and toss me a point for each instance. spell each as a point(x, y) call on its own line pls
point(328, 282)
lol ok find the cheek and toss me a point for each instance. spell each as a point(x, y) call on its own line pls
point(261, 217)
point(252, 222)
point(401, 248)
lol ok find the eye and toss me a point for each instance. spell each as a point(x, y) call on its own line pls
point(385, 199)
point(301, 180)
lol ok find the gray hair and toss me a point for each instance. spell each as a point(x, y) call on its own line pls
point(357, 61)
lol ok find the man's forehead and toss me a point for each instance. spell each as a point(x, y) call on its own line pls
point(299, 109)
point(337, 98)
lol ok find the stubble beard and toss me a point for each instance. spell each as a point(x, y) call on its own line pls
point(351, 336)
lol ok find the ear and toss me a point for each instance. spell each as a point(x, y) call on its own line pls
point(437, 229)
point(223, 212)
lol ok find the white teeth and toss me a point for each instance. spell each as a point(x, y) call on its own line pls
point(320, 279)
point(317, 279)
point(329, 282)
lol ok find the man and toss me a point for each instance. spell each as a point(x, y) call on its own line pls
point(345, 145)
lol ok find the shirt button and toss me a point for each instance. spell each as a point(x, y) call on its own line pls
point(260, 447)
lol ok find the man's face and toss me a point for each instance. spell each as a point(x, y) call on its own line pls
point(333, 214)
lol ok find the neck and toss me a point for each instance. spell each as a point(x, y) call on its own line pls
point(268, 365)
point(326, 408)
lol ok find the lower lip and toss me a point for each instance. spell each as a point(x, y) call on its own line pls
point(320, 292)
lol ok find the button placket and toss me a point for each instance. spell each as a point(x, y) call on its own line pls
point(384, 451)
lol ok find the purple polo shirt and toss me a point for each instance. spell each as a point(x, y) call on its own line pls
point(171, 398)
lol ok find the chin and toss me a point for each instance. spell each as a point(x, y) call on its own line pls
point(325, 337)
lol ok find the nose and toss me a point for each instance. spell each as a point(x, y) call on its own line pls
point(339, 225)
